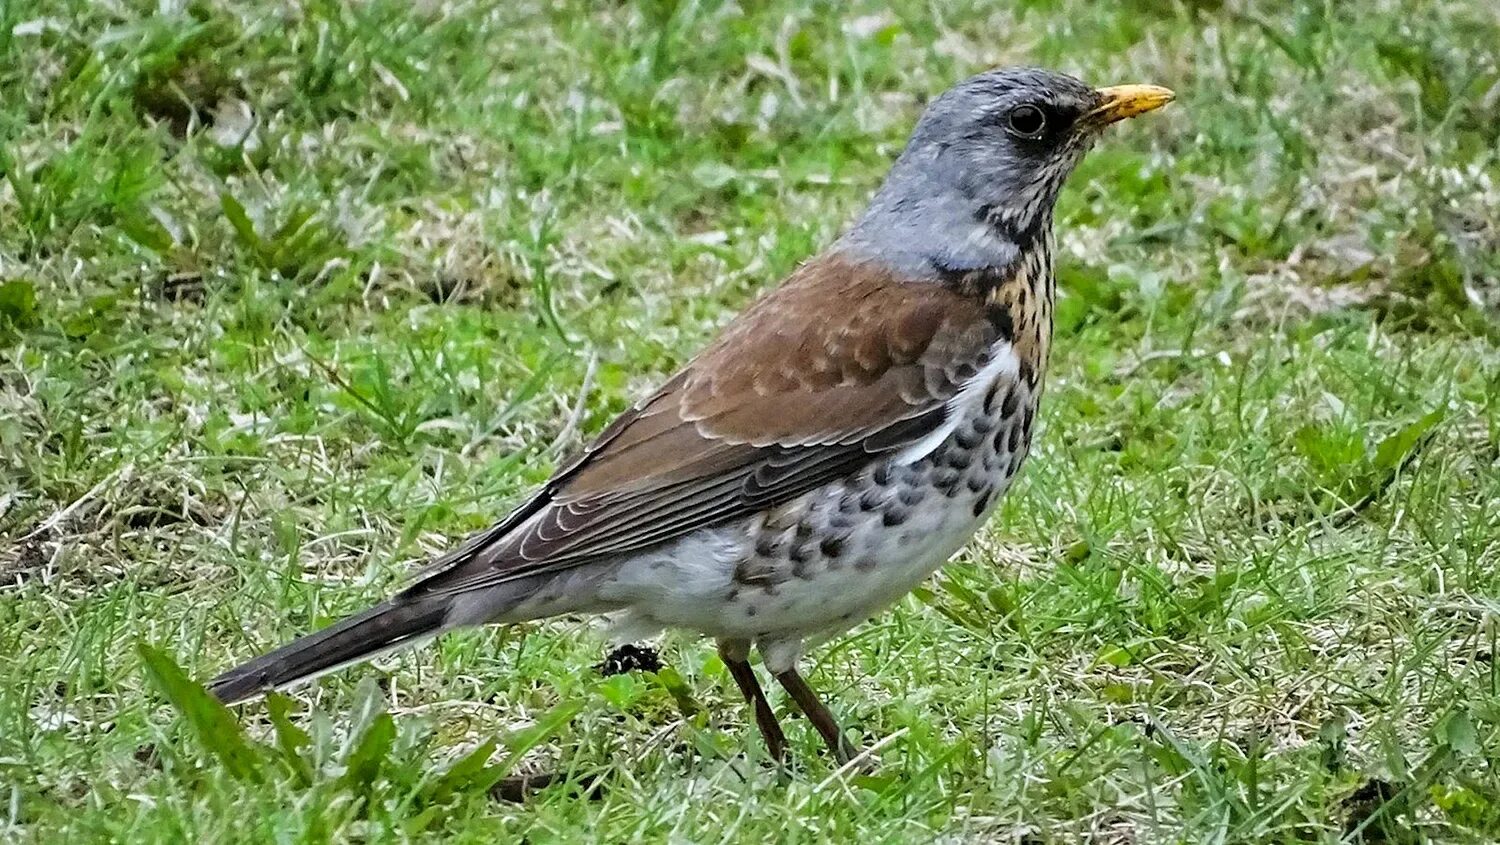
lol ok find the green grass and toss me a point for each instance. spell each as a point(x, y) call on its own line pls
point(293, 296)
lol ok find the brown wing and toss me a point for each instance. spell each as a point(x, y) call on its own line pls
point(839, 363)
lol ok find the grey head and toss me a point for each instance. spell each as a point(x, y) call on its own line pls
point(977, 182)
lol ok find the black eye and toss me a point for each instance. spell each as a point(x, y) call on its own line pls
point(1026, 121)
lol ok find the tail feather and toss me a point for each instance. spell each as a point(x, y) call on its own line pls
point(386, 626)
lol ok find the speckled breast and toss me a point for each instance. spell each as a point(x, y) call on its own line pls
point(838, 554)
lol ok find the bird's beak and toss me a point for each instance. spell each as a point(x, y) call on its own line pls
point(1118, 102)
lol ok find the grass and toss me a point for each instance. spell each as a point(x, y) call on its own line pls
point(293, 296)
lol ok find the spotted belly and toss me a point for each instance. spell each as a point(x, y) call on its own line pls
point(835, 556)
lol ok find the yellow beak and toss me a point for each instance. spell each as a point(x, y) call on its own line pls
point(1121, 101)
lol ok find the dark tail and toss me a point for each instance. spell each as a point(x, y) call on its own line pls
point(388, 625)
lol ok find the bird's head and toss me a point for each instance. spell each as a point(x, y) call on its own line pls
point(977, 182)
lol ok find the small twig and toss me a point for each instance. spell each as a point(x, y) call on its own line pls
point(57, 517)
point(859, 760)
point(1128, 370)
point(453, 704)
point(575, 417)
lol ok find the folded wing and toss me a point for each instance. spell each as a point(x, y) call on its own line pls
point(840, 363)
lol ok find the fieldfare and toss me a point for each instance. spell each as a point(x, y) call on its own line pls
point(838, 442)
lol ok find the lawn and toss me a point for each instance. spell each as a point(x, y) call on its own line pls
point(295, 295)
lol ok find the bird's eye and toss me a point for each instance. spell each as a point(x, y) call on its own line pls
point(1026, 121)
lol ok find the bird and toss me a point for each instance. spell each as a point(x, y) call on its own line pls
point(833, 447)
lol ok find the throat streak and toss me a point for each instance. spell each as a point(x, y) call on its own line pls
point(1018, 301)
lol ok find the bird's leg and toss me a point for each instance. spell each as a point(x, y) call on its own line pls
point(735, 659)
point(843, 750)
